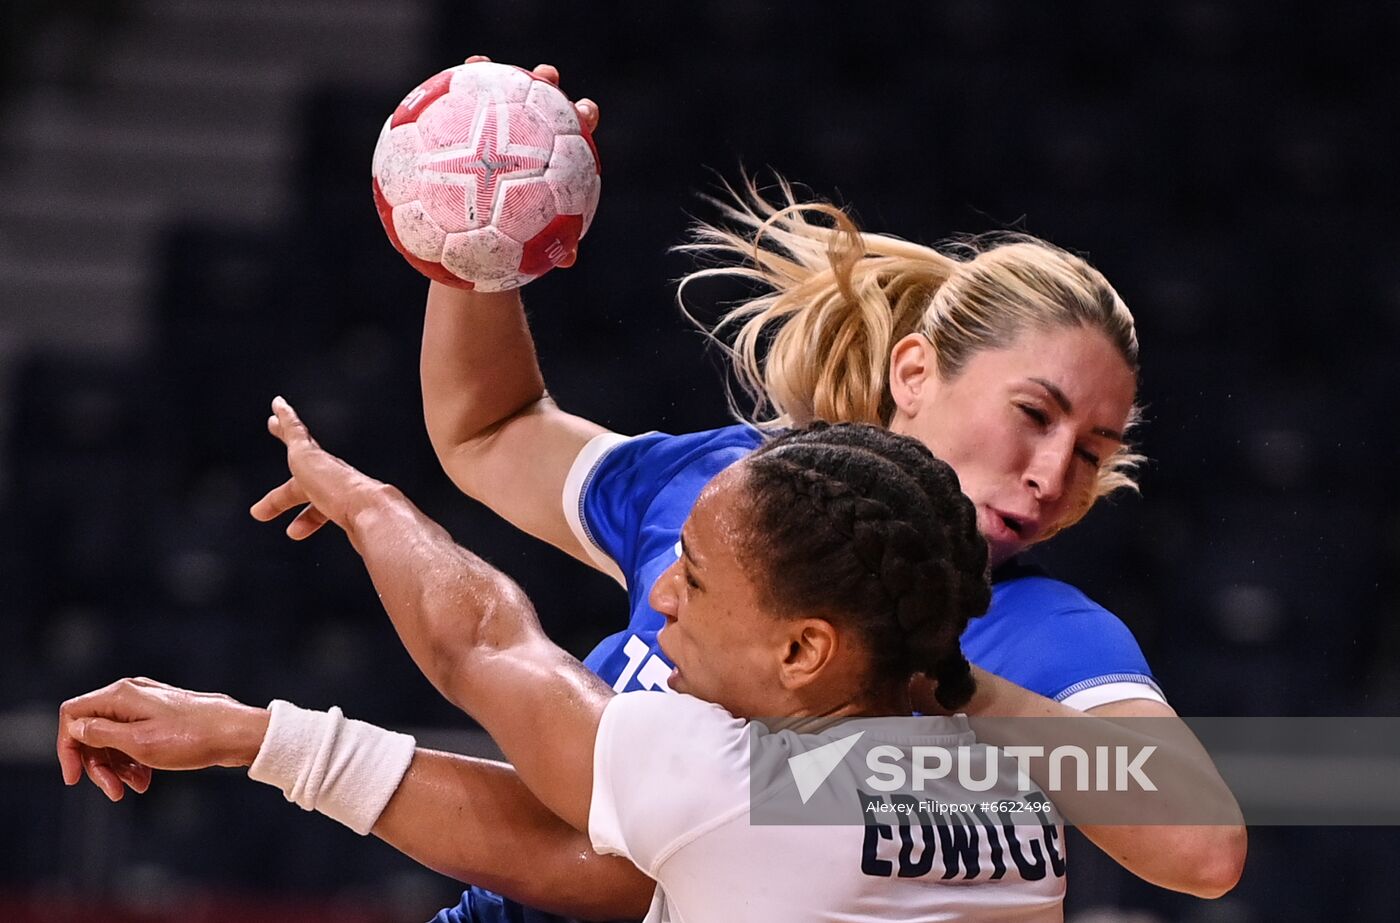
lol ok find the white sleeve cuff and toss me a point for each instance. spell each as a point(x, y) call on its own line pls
point(347, 770)
point(1110, 692)
point(574, 485)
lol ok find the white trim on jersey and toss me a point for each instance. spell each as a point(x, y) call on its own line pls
point(1106, 693)
point(579, 475)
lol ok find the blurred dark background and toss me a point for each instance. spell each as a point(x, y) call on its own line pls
point(186, 230)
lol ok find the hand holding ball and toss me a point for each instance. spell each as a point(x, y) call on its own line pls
point(484, 177)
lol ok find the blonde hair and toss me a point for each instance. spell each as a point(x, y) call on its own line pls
point(815, 342)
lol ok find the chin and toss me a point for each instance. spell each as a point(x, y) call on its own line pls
point(998, 554)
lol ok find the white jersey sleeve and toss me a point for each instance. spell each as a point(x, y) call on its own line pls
point(666, 768)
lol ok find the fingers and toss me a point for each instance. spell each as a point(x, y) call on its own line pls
point(285, 424)
point(70, 756)
point(103, 733)
point(137, 776)
point(107, 700)
point(306, 524)
point(278, 500)
point(105, 749)
point(587, 111)
point(102, 775)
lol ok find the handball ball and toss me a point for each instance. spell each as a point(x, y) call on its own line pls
point(484, 177)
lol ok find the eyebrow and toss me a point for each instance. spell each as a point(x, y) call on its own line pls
point(690, 558)
point(1059, 396)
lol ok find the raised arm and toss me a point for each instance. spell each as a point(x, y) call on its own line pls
point(471, 819)
point(496, 432)
point(468, 627)
point(498, 435)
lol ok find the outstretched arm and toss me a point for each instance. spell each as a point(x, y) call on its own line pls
point(468, 627)
point(500, 438)
point(471, 819)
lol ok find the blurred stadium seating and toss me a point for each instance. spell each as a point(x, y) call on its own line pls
point(186, 230)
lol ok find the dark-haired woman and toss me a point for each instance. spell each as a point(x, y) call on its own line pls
point(817, 576)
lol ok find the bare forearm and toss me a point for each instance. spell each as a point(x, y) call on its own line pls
point(475, 636)
point(497, 435)
point(450, 608)
point(1205, 860)
point(478, 365)
point(475, 821)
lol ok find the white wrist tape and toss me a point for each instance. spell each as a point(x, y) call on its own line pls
point(347, 770)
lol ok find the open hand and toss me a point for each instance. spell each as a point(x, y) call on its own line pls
point(325, 485)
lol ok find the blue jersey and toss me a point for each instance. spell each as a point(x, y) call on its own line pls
point(632, 500)
point(626, 500)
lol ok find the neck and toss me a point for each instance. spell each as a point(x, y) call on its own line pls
point(892, 702)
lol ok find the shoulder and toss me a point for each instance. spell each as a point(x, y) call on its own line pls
point(661, 748)
point(653, 460)
point(619, 485)
point(664, 452)
point(1053, 639)
point(1031, 593)
point(688, 723)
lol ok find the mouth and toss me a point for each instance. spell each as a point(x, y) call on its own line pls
point(1008, 527)
point(661, 640)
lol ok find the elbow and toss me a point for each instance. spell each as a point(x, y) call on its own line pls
point(459, 456)
point(1220, 862)
point(464, 445)
point(597, 888)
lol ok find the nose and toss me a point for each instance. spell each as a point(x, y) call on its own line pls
point(665, 592)
point(1048, 470)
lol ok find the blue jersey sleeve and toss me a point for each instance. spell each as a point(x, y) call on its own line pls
point(637, 492)
point(1048, 637)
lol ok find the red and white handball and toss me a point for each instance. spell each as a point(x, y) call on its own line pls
point(485, 178)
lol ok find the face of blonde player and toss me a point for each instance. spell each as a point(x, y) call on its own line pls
point(726, 647)
point(1025, 427)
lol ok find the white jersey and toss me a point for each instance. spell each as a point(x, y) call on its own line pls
point(671, 777)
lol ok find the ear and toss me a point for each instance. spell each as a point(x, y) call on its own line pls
point(812, 645)
point(913, 373)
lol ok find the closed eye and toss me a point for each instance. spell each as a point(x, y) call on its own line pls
point(1038, 416)
point(1042, 419)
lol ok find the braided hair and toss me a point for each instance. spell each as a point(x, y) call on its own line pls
point(867, 528)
